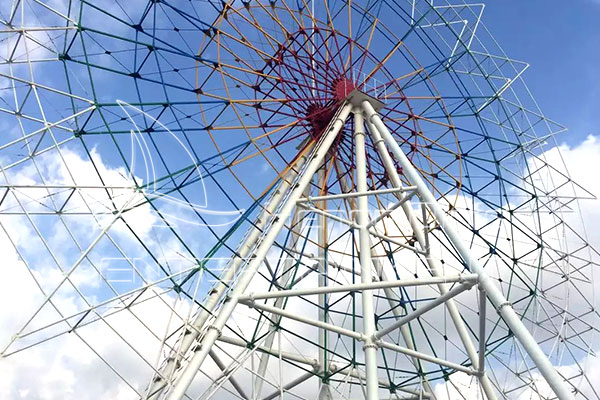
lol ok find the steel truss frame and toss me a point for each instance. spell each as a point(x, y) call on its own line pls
point(488, 85)
point(199, 339)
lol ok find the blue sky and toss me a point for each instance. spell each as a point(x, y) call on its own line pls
point(561, 41)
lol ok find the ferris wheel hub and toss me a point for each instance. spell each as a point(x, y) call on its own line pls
point(318, 116)
point(342, 87)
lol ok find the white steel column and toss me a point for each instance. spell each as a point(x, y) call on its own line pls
point(265, 243)
point(482, 320)
point(191, 334)
point(362, 216)
point(259, 378)
point(324, 391)
point(389, 293)
point(502, 305)
point(432, 263)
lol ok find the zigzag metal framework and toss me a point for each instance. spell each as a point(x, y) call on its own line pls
point(371, 338)
point(369, 240)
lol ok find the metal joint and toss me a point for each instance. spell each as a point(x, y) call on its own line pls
point(215, 328)
point(502, 305)
point(370, 345)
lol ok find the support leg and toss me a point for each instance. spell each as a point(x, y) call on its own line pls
point(362, 215)
point(389, 292)
point(265, 242)
point(432, 263)
point(494, 294)
point(283, 281)
point(190, 334)
point(324, 390)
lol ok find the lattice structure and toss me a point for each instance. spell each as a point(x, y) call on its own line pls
point(333, 200)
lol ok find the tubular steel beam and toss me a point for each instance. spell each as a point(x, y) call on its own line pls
point(231, 379)
point(324, 389)
point(482, 301)
point(191, 334)
point(283, 281)
point(426, 357)
point(502, 305)
point(299, 358)
point(309, 321)
point(389, 293)
point(314, 363)
point(433, 264)
point(264, 244)
point(290, 385)
point(362, 217)
point(354, 194)
point(422, 310)
point(471, 278)
point(359, 336)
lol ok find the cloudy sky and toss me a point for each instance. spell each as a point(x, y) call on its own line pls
point(561, 41)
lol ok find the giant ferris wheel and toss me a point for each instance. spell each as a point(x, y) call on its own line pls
point(283, 199)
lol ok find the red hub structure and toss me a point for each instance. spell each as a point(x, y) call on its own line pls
point(319, 115)
point(342, 87)
point(307, 78)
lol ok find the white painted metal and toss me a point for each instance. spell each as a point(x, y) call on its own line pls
point(82, 257)
point(312, 362)
point(494, 294)
point(299, 358)
point(223, 368)
point(482, 308)
point(305, 320)
point(289, 202)
point(363, 286)
point(283, 281)
point(390, 210)
point(370, 337)
point(357, 226)
point(318, 211)
point(288, 386)
point(425, 357)
point(355, 194)
point(324, 390)
point(422, 310)
point(191, 332)
point(381, 276)
point(358, 336)
point(362, 217)
point(433, 264)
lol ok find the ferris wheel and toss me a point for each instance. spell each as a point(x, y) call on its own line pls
point(282, 199)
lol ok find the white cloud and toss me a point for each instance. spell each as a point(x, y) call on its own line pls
point(65, 367)
point(580, 161)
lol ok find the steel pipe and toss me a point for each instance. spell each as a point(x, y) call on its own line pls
point(289, 202)
point(432, 263)
point(504, 308)
point(362, 218)
point(422, 310)
point(472, 278)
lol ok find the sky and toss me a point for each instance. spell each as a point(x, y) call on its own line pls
point(561, 42)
